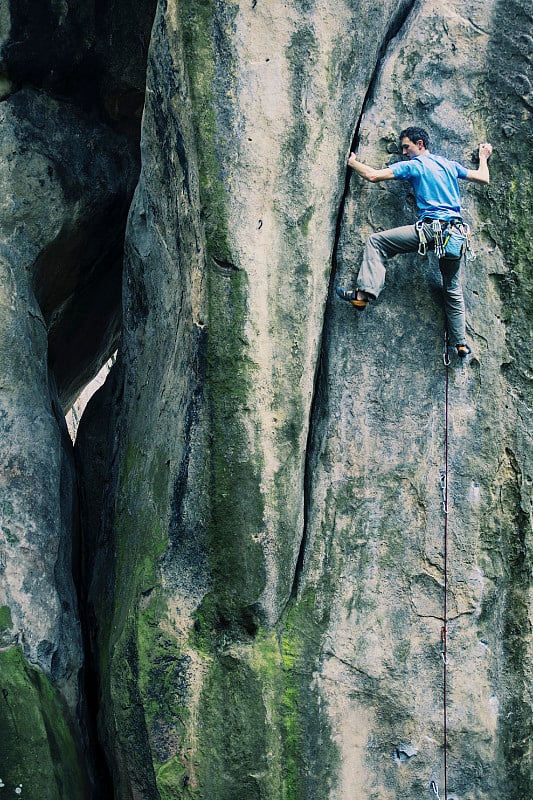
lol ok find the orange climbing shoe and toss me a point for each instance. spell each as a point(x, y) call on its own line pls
point(351, 297)
point(463, 350)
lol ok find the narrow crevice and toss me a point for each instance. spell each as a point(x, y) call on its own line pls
point(397, 24)
point(91, 705)
point(96, 455)
point(103, 783)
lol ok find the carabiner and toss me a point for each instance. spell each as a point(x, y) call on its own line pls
point(435, 789)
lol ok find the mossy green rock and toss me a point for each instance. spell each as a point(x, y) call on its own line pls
point(273, 530)
point(40, 758)
point(261, 572)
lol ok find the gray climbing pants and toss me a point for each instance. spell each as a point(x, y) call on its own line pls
point(386, 244)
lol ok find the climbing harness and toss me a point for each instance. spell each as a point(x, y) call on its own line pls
point(451, 238)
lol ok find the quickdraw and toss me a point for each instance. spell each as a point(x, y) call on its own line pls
point(469, 254)
point(438, 232)
point(444, 490)
point(435, 789)
point(422, 238)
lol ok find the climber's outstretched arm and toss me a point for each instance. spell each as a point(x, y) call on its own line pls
point(369, 173)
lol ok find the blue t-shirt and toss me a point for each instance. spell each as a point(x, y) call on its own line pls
point(435, 183)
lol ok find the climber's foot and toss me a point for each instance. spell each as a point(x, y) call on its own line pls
point(463, 350)
point(357, 298)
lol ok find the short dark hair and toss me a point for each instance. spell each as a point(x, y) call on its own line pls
point(414, 134)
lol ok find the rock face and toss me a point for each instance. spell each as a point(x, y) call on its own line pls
point(68, 171)
point(262, 573)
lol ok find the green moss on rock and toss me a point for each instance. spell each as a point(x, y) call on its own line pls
point(236, 501)
point(263, 728)
point(237, 504)
point(304, 758)
point(174, 781)
point(164, 688)
point(232, 733)
point(37, 745)
point(513, 601)
point(6, 623)
point(203, 35)
point(141, 532)
point(141, 537)
point(307, 739)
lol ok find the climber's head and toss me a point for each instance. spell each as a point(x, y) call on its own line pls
point(414, 141)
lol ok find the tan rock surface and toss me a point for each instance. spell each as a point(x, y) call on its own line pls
point(262, 573)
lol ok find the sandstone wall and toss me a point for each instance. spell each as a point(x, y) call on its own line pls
point(68, 169)
point(276, 517)
point(260, 580)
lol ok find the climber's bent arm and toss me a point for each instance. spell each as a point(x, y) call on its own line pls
point(481, 174)
point(369, 173)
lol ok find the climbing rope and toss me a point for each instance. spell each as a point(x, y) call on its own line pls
point(444, 629)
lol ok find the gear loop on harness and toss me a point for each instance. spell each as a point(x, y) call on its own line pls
point(452, 238)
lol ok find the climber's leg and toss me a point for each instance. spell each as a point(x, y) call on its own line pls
point(379, 247)
point(454, 305)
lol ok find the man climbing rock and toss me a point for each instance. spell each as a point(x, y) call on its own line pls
point(440, 227)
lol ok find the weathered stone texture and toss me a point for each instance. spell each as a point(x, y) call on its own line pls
point(262, 573)
point(296, 605)
point(67, 180)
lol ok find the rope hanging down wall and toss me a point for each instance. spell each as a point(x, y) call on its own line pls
point(444, 629)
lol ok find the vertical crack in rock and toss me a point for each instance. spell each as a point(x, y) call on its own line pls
point(397, 24)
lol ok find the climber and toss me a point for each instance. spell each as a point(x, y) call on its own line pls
point(439, 227)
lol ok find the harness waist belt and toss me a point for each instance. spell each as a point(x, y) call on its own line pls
point(442, 221)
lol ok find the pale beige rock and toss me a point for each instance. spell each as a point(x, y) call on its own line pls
point(263, 527)
point(298, 497)
point(384, 482)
